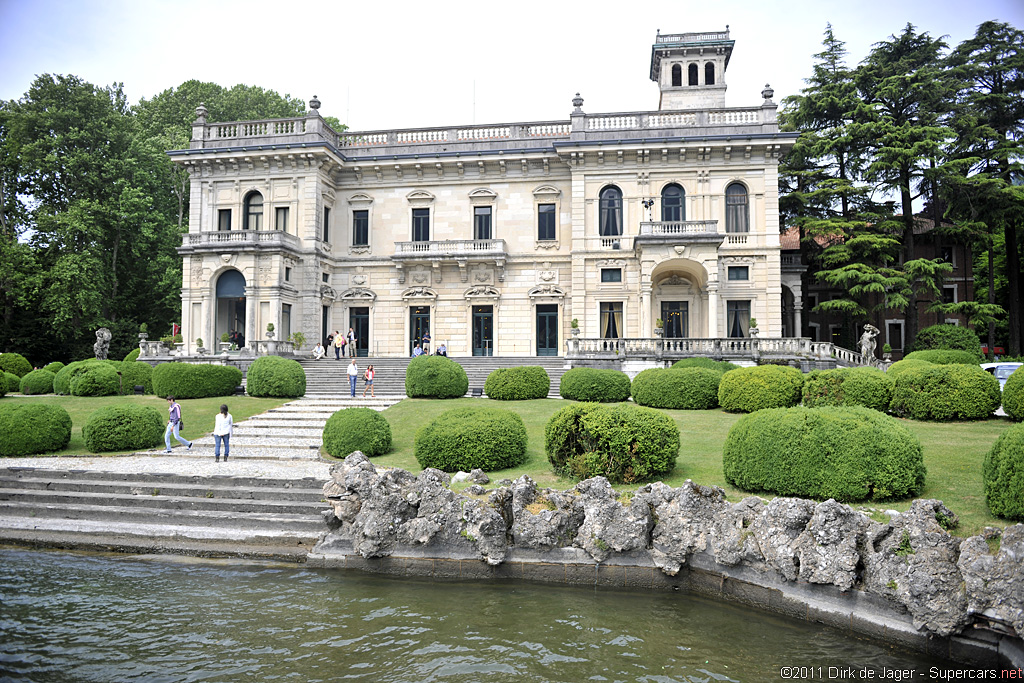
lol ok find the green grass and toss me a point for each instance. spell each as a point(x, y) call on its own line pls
point(953, 453)
point(198, 413)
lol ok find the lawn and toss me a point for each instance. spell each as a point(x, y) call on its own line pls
point(198, 413)
point(953, 453)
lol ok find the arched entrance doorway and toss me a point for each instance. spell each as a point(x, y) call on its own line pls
point(230, 304)
point(679, 298)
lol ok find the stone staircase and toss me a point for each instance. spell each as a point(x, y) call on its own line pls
point(329, 377)
point(151, 512)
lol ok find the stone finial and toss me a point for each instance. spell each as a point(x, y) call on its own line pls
point(767, 93)
point(578, 103)
point(314, 103)
point(201, 113)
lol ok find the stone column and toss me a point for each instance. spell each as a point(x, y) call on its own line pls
point(798, 307)
point(646, 323)
point(713, 312)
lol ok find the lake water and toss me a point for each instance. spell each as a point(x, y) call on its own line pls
point(99, 617)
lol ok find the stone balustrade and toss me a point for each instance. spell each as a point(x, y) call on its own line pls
point(238, 238)
point(699, 37)
point(449, 248)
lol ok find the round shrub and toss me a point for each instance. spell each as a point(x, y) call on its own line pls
point(1013, 395)
point(688, 388)
point(591, 384)
point(868, 387)
point(123, 428)
point(136, 373)
point(435, 377)
point(12, 382)
point(468, 438)
point(95, 379)
point(15, 363)
point(1003, 474)
point(948, 337)
point(624, 443)
point(901, 366)
point(62, 381)
point(706, 363)
point(31, 428)
point(944, 357)
point(54, 367)
point(518, 384)
point(37, 382)
point(847, 453)
point(357, 429)
point(187, 380)
point(766, 386)
point(275, 377)
point(945, 392)
point(133, 355)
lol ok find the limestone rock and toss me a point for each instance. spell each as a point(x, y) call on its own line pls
point(477, 476)
point(543, 519)
point(607, 525)
point(776, 531)
point(686, 520)
point(734, 540)
point(827, 548)
point(995, 583)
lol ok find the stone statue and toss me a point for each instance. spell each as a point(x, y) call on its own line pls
point(102, 345)
point(867, 341)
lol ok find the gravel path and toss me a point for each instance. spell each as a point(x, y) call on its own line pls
point(203, 466)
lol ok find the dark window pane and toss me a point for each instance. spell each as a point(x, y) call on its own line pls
point(709, 74)
point(224, 219)
point(677, 75)
point(739, 272)
point(482, 223)
point(738, 314)
point(691, 73)
point(672, 208)
point(361, 227)
point(421, 225)
point(253, 219)
point(611, 212)
point(611, 320)
point(611, 275)
point(736, 216)
point(327, 224)
point(281, 219)
point(546, 222)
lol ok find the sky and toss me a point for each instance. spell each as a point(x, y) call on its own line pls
point(382, 65)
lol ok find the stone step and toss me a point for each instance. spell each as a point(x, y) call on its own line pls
point(256, 452)
point(154, 498)
point(311, 432)
point(269, 421)
point(300, 486)
point(200, 487)
point(239, 440)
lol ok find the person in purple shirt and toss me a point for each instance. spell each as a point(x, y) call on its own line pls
point(173, 425)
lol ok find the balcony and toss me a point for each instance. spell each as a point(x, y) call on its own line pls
point(459, 252)
point(679, 232)
point(237, 240)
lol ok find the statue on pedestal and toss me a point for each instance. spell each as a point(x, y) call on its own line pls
point(102, 345)
point(867, 341)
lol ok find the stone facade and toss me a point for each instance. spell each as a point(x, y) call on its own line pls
point(493, 238)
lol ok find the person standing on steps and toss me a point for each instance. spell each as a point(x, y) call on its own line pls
point(174, 425)
point(224, 427)
point(353, 375)
point(368, 380)
point(338, 343)
point(350, 338)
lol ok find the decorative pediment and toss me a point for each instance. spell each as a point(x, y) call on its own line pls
point(677, 282)
point(360, 199)
point(419, 293)
point(546, 291)
point(358, 294)
point(611, 263)
point(482, 196)
point(546, 193)
point(482, 292)
point(327, 292)
point(420, 198)
point(328, 195)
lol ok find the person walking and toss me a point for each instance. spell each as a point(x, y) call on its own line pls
point(351, 340)
point(174, 424)
point(223, 428)
point(338, 343)
point(368, 382)
point(353, 375)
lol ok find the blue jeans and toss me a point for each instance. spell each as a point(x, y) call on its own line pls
point(172, 427)
point(352, 384)
point(217, 440)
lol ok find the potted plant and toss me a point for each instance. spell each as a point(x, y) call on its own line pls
point(659, 327)
point(225, 342)
point(298, 339)
point(753, 328)
point(574, 326)
point(199, 346)
point(270, 330)
point(143, 332)
point(887, 353)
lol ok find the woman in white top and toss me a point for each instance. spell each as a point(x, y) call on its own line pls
point(222, 431)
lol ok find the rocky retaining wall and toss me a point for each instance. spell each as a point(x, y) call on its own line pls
point(907, 581)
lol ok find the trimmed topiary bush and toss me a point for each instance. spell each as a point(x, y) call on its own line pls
point(1013, 395)
point(275, 377)
point(357, 429)
point(868, 387)
point(766, 386)
point(15, 363)
point(625, 443)
point(945, 392)
point(133, 355)
point(687, 388)
point(706, 363)
point(37, 382)
point(902, 366)
point(468, 438)
point(518, 384)
point(70, 373)
point(1003, 474)
point(435, 377)
point(944, 357)
point(948, 337)
point(123, 428)
point(846, 453)
point(54, 367)
point(31, 428)
point(187, 380)
point(12, 383)
point(591, 384)
point(136, 373)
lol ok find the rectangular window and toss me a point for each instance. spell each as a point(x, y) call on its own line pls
point(946, 254)
point(611, 275)
point(611, 319)
point(326, 278)
point(739, 272)
point(812, 303)
point(545, 221)
point(281, 218)
point(894, 334)
point(287, 274)
point(361, 227)
point(949, 294)
point(421, 225)
point(738, 313)
point(481, 222)
point(286, 321)
point(327, 224)
point(224, 219)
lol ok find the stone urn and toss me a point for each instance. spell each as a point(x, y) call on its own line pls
point(754, 332)
point(575, 331)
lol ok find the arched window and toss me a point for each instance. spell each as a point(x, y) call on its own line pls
point(691, 73)
point(677, 75)
point(672, 207)
point(253, 218)
point(737, 216)
point(709, 74)
point(611, 212)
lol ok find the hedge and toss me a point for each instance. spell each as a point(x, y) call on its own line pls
point(356, 429)
point(902, 366)
point(469, 438)
point(54, 367)
point(688, 388)
point(592, 384)
point(944, 357)
point(133, 355)
point(766, 386)
point(12, 382)
point(435, 377)
point(706, 363)
point(624, 443)
point(275, 377)
point(37, 382)
point(868, 387)
point(123, 428)
point(1013, 395)
point(518, 384)
point(31, 428)
point(136, 373)
point(15, 363)
point(1003, 474)
point(846, 453)
point(948, 337)
point(945, 392)
point(187, 380)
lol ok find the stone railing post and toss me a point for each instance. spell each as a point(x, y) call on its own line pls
point(199, 128)
point(578, 120)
